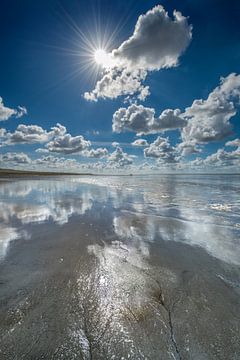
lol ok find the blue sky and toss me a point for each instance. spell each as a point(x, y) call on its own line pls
point(48, 65)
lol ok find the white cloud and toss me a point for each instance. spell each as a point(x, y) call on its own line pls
point(205, 121)
point(46, 162)
point(31, 134)
point(235, 142)
point(56, 162)
point(98, 165)
point(170, 120)
point(6, 113)
point(188, 148)
point(161, 150)
point(119, 158)
point(157, 42)
point(67, 144)
point(146, 166)
point(209, 120)
point(202, 122)
point(57, 140)
point(16, 158)
point(115, 144)
point(21, 111)
point(95, 153)
point(220, 158)
point(142, 120)
point(136, 118)
point(140, 142)
point(41, 151)
point(2, 136)
point(117, 82)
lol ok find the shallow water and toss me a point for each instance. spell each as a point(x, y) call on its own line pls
point(120, 267)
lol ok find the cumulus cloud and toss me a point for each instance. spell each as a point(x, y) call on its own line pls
point(156, 43)
point(57, 140)
point(41, 151)
point(117, 82)
point(222, 157)
point(16, 158)
point(67, 144)
point(219, 158)
point(115, 143)
point(48, 161)
point(119, 158)
point(140, 142)
point(170, 120)
point(6, 112)
point(31, 134)
point(147, 166)
point(95, 153)
point(56, 162)
point(99, 166)
point(21, 111)
point(188, 147)
point(162, 150)
point(235, 142)
point(142, 120)
point(135, 118)
point(204, 121)
point(209, 120)
point(2, 135)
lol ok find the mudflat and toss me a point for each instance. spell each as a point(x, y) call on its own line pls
point(139, 267)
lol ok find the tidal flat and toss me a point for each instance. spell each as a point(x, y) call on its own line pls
point(138, 267)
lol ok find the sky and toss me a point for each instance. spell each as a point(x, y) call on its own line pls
point(118, 87)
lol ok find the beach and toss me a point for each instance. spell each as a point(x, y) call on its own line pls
point(134, 267)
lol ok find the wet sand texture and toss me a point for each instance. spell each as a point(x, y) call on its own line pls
point(120, 268)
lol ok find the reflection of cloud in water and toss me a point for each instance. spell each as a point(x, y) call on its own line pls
point(59, 211)
point(122, 293)
point(58, 208)
point(33, 202)
point(139, 229)
point(143, 209)
point(7, 234)
point(218, 240)
point(17, 188)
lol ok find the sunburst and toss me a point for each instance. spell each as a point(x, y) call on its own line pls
point(89, 45)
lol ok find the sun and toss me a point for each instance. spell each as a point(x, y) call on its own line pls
point(102, 58)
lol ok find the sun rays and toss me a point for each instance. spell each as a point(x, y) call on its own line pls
point(90, 45)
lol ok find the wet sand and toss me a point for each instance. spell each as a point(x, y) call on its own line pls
point(120, 268)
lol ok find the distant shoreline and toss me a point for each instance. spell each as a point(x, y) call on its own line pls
point(12, 172)
point(20, 173)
